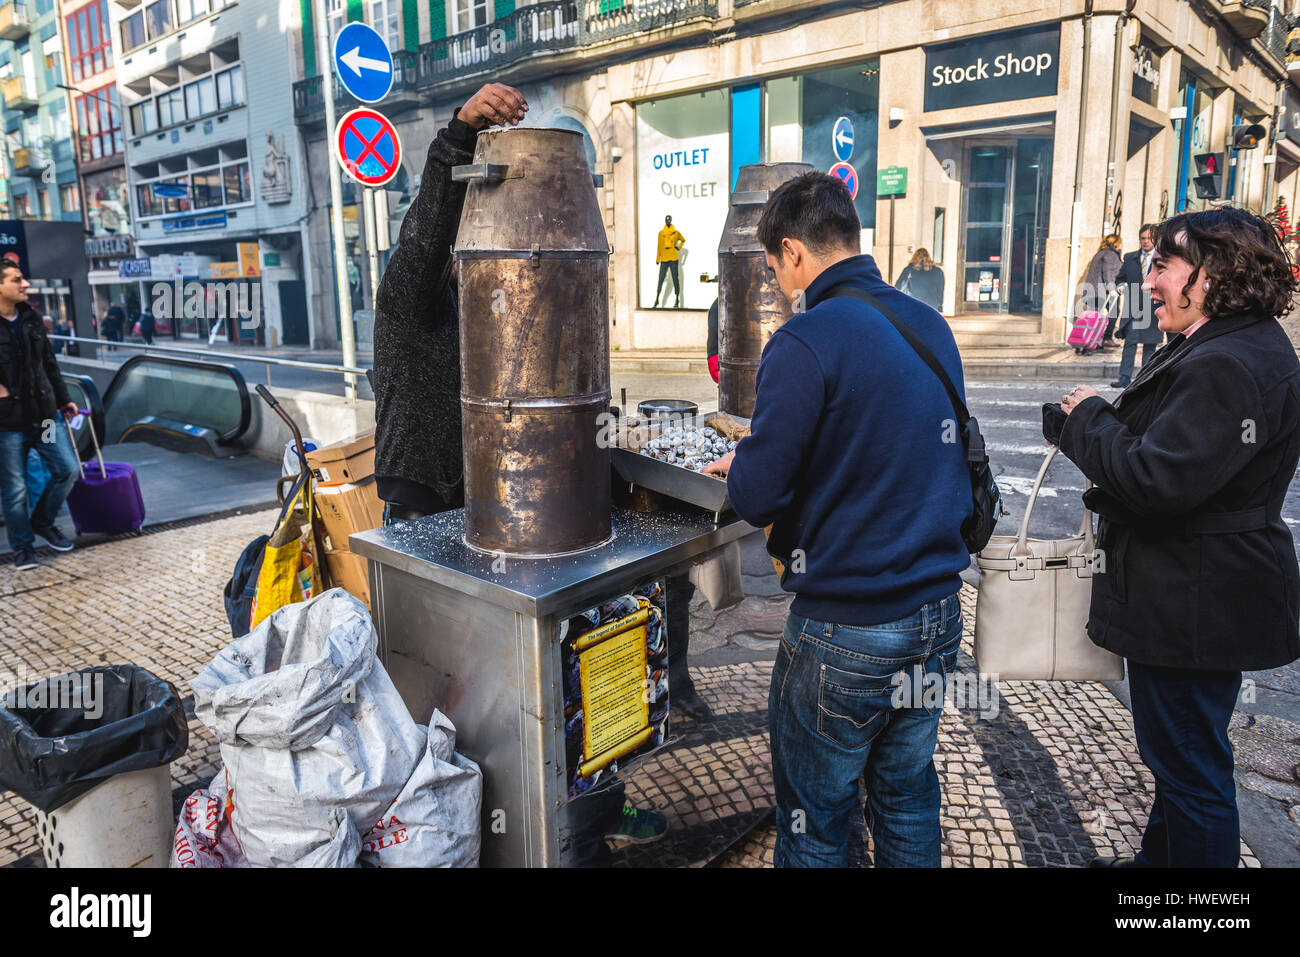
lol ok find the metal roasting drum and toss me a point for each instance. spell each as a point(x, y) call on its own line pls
point(533, 266)
point(751, 305)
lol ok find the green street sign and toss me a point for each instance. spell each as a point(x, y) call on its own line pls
point(891, 181)
point(270, 259)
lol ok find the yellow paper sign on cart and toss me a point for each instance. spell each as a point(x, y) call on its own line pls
point(612, 670)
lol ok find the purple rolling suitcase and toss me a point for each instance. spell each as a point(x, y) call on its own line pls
point(106, 498)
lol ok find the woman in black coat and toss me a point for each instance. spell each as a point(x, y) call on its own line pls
point(1196, 577)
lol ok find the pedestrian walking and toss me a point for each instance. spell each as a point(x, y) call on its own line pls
point(667, 253)
point(1191, 465)
point(418, 449)
point(147, 327)
point(32, 397)
point(866, 494)
point(1137, 323)
point(1098, 292)
point(922, 279)
point(114, 321)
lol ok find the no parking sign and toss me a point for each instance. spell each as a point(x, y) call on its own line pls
point(367, 146)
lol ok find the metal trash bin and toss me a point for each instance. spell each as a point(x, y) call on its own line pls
point(90, 751)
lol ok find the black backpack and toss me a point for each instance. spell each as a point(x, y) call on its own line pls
point(986, 501)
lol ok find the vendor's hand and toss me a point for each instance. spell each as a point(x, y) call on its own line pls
point(494, 105)
point(69, 410)
point(1071, 399)
point(721, 467)
point(4, 393)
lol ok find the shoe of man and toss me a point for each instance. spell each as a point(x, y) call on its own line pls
point(1114, 862)
point(1120, 384)
point(56, 538)
point(25, 560)
point(638, 826)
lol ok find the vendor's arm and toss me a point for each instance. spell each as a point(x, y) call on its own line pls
point(421, 261)
point(791, 392)
point(1210, 425)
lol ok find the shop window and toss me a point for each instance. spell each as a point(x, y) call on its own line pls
point(936, 247)
point(683, 172)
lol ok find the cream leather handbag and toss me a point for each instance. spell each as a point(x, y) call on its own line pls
point(1032, 613)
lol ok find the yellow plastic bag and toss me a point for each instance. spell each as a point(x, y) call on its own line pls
point(289, 570)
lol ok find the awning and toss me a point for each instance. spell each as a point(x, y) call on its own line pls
point(1010, 124)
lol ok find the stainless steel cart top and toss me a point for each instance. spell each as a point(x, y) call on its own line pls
point(434, 548)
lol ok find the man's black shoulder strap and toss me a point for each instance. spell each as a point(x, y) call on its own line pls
point(913, 340)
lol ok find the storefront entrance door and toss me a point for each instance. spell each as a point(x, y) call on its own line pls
point(1007, 193)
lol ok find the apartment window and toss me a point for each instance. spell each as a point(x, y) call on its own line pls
point(238, 183)
point(201, 97)
point(70, 196)
point(171, 108)
point(386, 18)
point(44, 196)
point(205, 188)
point(22, 205)
point(471, 14)
point(144, 118)
point(133, 34)
point(230, 87)
point(99, 123)
point(188, 10)
point(229, 183)
point(158, 18)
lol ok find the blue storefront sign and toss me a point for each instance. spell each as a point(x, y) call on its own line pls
point(134, 269)
point(201, 221)
point(13, 243)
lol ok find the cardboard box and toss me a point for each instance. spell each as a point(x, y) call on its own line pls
point(344, 509)
point(352, 460)
point(349, 572)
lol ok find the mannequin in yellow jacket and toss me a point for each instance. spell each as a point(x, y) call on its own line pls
point(670, 240)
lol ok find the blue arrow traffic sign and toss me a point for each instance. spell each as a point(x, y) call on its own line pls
point(850, 177)
point(842, 139)
point(362, 62)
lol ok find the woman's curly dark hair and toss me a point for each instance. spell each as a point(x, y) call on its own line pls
point(1248, 268)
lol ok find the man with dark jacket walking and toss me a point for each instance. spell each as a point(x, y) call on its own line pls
point(1137, 323)
point(854, 459)
point(32, 396)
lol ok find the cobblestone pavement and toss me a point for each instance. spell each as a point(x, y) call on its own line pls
point(1051, 779)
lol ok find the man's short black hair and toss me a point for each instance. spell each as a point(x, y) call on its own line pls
point(6, 265)
point(1147, 228)
point(815, 209)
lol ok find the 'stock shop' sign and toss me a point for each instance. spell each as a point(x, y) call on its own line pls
point(991, 69)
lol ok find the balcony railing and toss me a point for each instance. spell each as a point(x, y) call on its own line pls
point(538, 28)
point(15, 94)
point(608, 19)
point(309, 99)
point(1275, 33)
point(27, 162)
point(14, 24)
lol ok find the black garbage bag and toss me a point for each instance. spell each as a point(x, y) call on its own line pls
point(62, 736)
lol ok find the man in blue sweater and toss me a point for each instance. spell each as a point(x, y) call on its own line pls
point(855, 460)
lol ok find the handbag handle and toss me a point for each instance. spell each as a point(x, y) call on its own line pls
point(1085, 526)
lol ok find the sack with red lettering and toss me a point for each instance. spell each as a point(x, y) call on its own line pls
point(203, 835)
point(314, 736)
point(434, 821)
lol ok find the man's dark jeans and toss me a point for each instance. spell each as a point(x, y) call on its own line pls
point(21, 515)
point(1181, 717)
point(1128, 360)
point(852, 701)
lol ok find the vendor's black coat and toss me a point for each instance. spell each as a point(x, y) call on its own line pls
point(417, 339)
point(1186, 583)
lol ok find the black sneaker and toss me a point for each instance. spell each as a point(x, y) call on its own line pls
point(25, 559)
point(55, 537)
